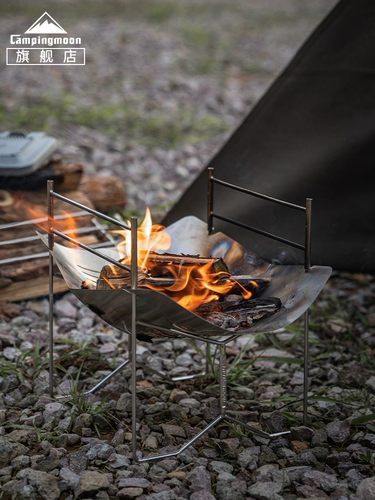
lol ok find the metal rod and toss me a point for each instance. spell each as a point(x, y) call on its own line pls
point(184, 333)
point(133, 337)
point(91, 250)
point(258, 195)
point(90, 210)
point(306, 365)
point(210, 201)
point(307, 313)
point(39, 220)
point(223, 379)
point(51, 213)
point(107, 378)
point(254, 430)
point(308, 234)
point(79, 230)
point(41, 255)
point(260, 231)
point(186, 445)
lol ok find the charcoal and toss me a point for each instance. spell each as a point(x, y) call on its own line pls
point(234, 316)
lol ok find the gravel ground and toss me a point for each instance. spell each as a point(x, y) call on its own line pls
point(164, 85)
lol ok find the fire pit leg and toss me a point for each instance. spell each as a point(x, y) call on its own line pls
point(133, 337)
point(306, 367)
point(107, 378)
point(50, 298)
point(223, 379)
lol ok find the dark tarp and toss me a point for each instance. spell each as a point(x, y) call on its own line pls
point(311, 135)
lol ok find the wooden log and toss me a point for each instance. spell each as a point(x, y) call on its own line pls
point(241, 315)
point(160, 276)
point(105, 193)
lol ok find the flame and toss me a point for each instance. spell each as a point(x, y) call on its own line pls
point(150, 238)
point(192, 280)
point(65, 223)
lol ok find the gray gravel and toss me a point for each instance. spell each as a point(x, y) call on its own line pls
point(179, 67)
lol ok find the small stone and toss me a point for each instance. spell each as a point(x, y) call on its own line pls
point(305, 457)
point(267, 456)
point(302, 433)
point(126, 493)
point(64, 309)
point(202, 495)
point(66, 440)
point(264, 491)
point(20, 462)
point(71, 478)
point(217, 467)
point(326, 482)
point(90, 482)
point(229, 447)
point(6, 452)
point(307, 491)
point(298, 446)
point(151, 409)
point(78, 461)
point(199, 479)
point(338, 430)
point(173, 430)
point(118, 437)
point(189, 403)
point(134, 482)
point(366, 489)
point(151, 442)
point(177, 474)
point(177, 394)
point(248, 455)
point(354, 478)
point(45, 483)
point(117, 461)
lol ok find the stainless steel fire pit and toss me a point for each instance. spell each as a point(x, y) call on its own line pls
point(296, 288)
point(143, 312)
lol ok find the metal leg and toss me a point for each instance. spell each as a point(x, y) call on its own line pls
point(223, 379)
point(133, 337)
point(107, 378)
point(50, 297)
point(306, 366)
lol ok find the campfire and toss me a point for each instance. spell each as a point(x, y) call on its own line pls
point(182, 281)
point(188, 280)
point(200, 284)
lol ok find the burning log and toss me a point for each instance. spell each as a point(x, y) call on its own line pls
point(239, 315)
point(160, 276)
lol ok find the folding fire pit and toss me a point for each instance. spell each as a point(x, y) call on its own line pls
point(273, 296)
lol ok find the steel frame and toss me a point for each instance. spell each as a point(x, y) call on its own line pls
point(135, 322)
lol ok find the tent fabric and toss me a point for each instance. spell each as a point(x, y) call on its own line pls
point(311, 135)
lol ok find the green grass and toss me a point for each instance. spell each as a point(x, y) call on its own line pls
point(154, 128)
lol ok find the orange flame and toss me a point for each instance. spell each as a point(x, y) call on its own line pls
point(150, 238)
point(192, 280)
point(66, 223)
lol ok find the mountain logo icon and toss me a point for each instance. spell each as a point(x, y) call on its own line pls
point(45, 24)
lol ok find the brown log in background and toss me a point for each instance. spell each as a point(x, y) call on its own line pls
point(29, 278)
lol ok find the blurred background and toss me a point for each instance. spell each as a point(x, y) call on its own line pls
point(165, 83)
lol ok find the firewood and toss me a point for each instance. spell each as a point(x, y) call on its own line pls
point(117, 277)
point(186, 260)
point(160, 276)
point(105, 193)
point(240, 315)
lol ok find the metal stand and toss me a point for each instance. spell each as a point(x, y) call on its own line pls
point(137, 322)
point(306, 248)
